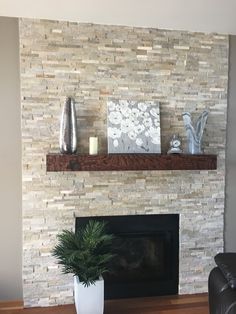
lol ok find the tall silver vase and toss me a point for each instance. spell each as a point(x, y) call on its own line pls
point(68, 129)
point(194, 132)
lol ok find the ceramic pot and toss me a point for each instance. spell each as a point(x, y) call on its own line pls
point(89, 300)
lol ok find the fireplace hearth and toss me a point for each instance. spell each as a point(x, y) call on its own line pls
point(146, 249)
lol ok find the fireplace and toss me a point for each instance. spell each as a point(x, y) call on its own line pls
point(146, 249)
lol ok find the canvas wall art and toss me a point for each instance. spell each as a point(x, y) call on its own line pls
point(133, 127)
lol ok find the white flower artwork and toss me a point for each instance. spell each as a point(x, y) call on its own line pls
point(133, 127)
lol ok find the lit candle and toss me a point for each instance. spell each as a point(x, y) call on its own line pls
point(93, 145)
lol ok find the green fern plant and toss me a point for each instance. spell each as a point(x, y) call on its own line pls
point(84, 253)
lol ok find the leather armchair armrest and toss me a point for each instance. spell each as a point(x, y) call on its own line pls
point(227, 264)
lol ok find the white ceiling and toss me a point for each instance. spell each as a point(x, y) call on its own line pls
point(193, 15)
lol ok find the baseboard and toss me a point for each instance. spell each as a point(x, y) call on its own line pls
point(11, 305)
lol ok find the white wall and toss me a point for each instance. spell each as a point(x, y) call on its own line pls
point(201, 15)
point(230, 211)
point(10, 162)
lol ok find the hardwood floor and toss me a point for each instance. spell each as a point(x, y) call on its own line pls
point(11, 305)
point(185, 304)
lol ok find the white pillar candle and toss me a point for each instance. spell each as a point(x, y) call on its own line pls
point(93, 145)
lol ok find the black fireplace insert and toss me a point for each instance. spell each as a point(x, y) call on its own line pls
point(146, 249)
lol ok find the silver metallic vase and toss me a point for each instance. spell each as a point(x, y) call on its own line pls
point(194, 132)
point(68, 129)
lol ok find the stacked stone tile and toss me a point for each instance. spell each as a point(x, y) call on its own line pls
point(184, 71)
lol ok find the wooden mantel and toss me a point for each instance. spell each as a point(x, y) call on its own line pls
point(123, 162)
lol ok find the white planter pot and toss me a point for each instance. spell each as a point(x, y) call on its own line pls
point(89, 300)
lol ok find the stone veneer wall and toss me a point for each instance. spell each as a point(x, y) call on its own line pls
point(185, 72)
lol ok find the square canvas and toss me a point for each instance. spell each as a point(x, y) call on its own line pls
point(133, 127)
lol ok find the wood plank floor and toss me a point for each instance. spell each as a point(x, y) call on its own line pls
point(185, 304)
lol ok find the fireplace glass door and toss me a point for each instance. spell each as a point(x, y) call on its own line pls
point(146, 249)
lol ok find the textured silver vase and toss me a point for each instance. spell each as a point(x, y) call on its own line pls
point(194, 132)
point(68, 129)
